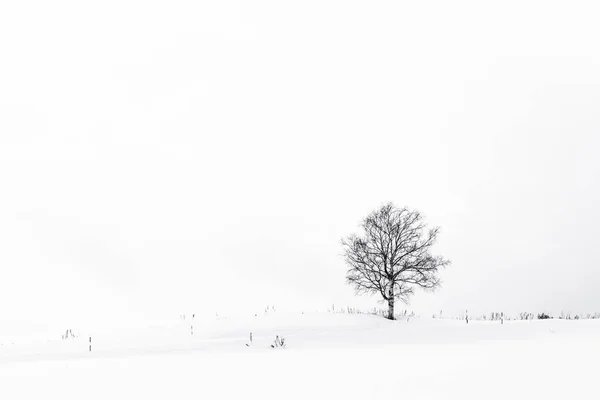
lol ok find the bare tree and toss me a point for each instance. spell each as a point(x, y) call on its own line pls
point(393, 257)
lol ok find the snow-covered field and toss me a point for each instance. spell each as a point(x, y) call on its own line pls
point(327, 356)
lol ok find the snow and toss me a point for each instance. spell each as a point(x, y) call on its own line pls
point(349, 356)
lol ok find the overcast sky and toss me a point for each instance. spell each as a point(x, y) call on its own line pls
point(187, 156)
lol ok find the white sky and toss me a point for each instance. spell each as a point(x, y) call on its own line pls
point(173, 156)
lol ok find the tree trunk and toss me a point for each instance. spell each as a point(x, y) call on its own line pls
point(391, 303)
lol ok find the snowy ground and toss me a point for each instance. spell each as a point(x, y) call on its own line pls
point(327, 356)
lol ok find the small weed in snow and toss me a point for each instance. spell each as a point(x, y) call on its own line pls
point(279, 342)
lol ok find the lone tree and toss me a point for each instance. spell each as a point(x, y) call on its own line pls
point(393, 257)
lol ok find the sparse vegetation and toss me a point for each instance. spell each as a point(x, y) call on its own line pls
point(279, 342)
point(68, 334)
